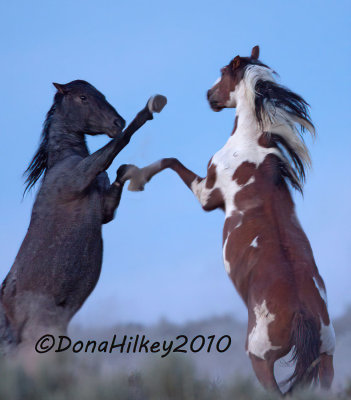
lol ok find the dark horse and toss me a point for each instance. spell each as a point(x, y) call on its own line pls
point(59, 262)
point(266, 253)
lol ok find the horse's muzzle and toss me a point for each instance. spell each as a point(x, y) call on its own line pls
point(117, 128)
point(214, 104)
point(120, 123)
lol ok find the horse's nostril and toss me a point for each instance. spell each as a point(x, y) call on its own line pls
point(120, 123)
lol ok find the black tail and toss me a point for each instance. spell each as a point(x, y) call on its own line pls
point(305, 338)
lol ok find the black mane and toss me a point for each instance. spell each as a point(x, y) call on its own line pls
point(38, 165)
point(272, 96)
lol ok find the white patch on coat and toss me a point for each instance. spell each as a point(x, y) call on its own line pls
point(258, 340)
point(254, 242)
point(200, 191)
point(226, 262)
point(231, 102)
point(327, 336)
point(321, 291)
point(244, 145)
point(241, 220)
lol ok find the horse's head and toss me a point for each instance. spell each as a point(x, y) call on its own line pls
point(223, 92)
point(85, 109)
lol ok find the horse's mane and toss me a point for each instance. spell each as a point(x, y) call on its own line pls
point(283, 116)
point(38, 165)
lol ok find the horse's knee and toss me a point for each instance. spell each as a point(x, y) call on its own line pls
point(326, 371)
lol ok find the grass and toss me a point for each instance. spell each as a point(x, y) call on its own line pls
point(171, 379)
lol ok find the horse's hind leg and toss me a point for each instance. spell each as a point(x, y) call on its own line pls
point(326, 371)
point(264, 371)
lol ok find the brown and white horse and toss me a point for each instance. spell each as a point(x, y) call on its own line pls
point(266, 252)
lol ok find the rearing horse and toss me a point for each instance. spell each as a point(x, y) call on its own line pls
point(59, 262)
point(266, 252)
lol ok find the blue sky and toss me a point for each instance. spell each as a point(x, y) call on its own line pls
point(162, 252)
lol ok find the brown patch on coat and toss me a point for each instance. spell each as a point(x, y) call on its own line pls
point(214, 201)
point(264, 140)
point(235, 125)
point(211, 176)
point(230, 223)
point(244, 172)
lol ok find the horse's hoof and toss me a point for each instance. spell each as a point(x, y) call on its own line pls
point(135, 187)
point(126, 172)
point(156, 103)
point(122, 170)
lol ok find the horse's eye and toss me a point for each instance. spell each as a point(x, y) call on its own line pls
point(83, 97)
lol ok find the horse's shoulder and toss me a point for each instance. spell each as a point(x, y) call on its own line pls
point(63, 167)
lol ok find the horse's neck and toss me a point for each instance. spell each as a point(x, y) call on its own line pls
point(243, 144)
point(247, 126)
point(63, 143)
point(245, 152)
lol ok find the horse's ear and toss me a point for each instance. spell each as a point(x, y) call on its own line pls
point(60, 88)
point(255, 52)
point(236, 62)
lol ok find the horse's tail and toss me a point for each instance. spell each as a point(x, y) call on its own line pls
point(306, 340)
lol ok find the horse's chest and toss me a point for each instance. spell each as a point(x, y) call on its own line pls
point(69, 219)
point(225, 165)
point(101, 182)
point(226, 160)
point(235, 170)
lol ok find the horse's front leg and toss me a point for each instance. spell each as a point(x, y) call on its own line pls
point(87, 169)
point(111, 200)
point(112, 197)
point(203, 188)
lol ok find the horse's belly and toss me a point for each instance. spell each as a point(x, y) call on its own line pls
point(61, 254)
point(240, 256)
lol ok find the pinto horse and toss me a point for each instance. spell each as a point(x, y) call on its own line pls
point(59, 261)
point(266, 252)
